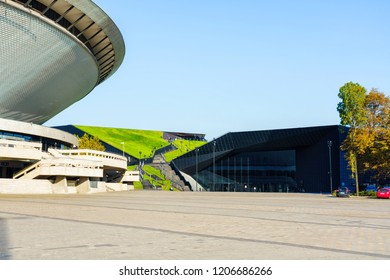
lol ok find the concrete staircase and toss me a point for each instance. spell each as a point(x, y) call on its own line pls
point(160, 163)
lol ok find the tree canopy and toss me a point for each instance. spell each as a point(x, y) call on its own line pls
point(368, 139)
point(90, 142)
point(376, 156)
point(351, 107)
point(352, 113)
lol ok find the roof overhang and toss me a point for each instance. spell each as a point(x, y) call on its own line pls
point(88, 23)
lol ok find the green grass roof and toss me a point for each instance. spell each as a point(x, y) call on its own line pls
point(183, 147)
point(137, 143)
point(140, 143)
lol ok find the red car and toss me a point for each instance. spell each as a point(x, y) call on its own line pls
point(383, 193)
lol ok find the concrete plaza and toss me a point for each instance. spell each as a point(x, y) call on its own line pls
point(185, 225)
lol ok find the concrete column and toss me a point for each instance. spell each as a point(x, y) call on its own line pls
point(60, 185)
point(84, 185)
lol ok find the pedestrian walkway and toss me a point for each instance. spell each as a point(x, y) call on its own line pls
point(187, 225)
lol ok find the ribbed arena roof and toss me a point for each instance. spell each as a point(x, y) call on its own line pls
point(52, 54)
point(89, 24)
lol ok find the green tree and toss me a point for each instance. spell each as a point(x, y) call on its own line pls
point(353, 114)
point(352, 106)
point(377, 157)
point(378, 111)
point(90, 142)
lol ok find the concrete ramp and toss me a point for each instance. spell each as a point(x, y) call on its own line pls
point(61, 167)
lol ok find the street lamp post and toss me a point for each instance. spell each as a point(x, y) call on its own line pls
point(330, 166)
point(123, 148)
point(196, 166)
point(214, 143)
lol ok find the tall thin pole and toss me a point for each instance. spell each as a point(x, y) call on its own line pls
point(214, 143)
point(330, 166)
point(196, 179)
point(242, 180)
point(235, 174)
point(247, 181)
point(221, 181)
point(228, 174)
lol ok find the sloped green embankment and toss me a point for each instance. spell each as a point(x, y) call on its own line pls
point(142, 144)
point(137, 143)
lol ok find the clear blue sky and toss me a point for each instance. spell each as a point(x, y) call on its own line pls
point(218, 66)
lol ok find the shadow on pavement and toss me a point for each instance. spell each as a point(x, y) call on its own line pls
point(4, 253)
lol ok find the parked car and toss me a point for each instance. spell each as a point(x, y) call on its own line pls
point(342, 192)
point(383, 193)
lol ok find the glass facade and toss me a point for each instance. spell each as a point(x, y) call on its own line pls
point(262, 171)
point(284, 160)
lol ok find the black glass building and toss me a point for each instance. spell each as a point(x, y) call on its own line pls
point(284, 160)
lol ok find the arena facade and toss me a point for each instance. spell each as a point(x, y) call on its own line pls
point(52, 54)
point(305, 159)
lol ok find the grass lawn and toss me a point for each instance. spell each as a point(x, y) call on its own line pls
point(183, 147)
point(138, 186)
point(138, 143)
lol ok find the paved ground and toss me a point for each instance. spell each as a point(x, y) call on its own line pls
point(173, 225)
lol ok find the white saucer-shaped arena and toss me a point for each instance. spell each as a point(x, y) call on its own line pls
point(52, 54)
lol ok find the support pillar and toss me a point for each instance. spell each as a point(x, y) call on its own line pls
point(60, 185)
point(84, 185)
